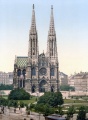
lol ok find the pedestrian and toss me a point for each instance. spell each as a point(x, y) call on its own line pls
point(14, 110)
point(2, 109)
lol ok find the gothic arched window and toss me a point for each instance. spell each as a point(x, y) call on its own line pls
point(52, 72)
point(33, 71)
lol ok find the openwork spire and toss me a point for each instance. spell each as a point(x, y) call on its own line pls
point(51, 42)
point(33, 38)
point(51, 27)
point(33, 22)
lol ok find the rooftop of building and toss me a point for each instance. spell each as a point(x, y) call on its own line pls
point(80, 75)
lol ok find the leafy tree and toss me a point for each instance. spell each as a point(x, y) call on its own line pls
point(51, 98)
point(66, 88)
point(70, 112)
point(32, 106)
point(19, 94)
point(12, 103)
point(60, 111)
point(6, 87)
point(15, 103)
point(21, 104)
point(81, 113)
point(45, 109)
point(3, 101)
point(86, 108)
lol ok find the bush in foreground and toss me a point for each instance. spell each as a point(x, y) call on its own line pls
point(51, 98)
point(19, 94)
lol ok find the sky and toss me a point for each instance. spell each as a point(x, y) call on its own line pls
point(71, 25)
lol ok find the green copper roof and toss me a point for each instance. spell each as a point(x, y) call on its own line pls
point(21, 61)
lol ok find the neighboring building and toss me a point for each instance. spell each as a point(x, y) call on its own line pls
point(10, 77)
point(6, 78)
point(79, 81)
point(38, 72)
point(63, 79)
point(71, 80)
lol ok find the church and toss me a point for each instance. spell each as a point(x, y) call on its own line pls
point(38, 72)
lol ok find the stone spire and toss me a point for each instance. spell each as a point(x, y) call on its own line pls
point(33, 22)
point(51, 28)
point(33, 38)
point(51, 42)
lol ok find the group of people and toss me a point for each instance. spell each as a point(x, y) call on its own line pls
point(2, 109)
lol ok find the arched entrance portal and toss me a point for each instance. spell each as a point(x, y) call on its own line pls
point(52, 88)
point(33, 88)
point(43, 86)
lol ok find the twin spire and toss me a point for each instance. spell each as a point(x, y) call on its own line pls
point(33, 39)
point(33, 22)
point(51, 27)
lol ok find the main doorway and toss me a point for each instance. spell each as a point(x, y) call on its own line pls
point(43, 86)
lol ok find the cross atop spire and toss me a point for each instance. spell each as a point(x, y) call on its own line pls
point(33, 6)
point(51, 28)
point(51, 6)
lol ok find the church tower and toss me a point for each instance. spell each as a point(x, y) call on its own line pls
point(51, 43)
point(52, 52)
point(33, 38)
point(32, 68)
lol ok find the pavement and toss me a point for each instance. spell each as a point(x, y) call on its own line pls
point(9, 114)
point(21, 114)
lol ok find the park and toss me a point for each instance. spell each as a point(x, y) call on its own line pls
point(37, 107)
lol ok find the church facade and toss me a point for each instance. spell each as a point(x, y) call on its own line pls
point(38, 72)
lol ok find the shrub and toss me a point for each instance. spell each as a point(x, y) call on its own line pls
point(51, 98)
point(19, 94)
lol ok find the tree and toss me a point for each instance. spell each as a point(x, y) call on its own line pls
point(19, 94)
point(51, 98)
point(66, 88)
point(6, 87)
point(45, 109)
point(22, 104)
point(59, 110)
point(71, 111)
point(81, 113)
point(3, 101)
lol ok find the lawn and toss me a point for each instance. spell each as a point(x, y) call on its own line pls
point(74, 101)
point(5, 96)
point(66, 101)
point(32, 100)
